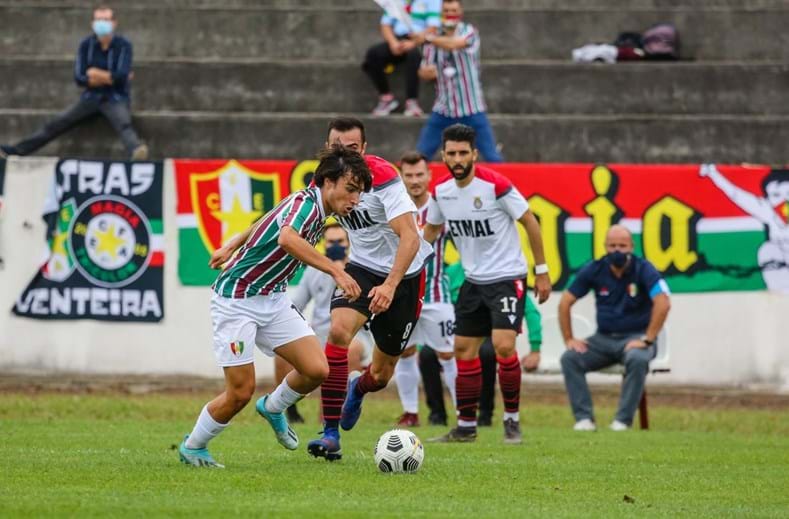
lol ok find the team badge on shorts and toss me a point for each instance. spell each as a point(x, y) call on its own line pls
point(237, 347)
point(110, 241)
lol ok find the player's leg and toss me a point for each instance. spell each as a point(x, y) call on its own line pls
point(438, 323)
point(233, 336)
point(392, 331)
point(430, 368)
point(472, 326)
point(345, 323)
point(407, 379)
point(281, 369)
point(487, 397)
point(507, 305)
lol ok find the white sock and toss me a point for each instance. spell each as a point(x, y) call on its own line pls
point(407, 379)
point(450, 369)
point(206, 428)
point(282, 398)
point(515, 416)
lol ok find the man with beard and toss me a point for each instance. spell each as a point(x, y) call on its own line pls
point(480, 206)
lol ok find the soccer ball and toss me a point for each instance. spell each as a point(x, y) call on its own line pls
point(399, 450)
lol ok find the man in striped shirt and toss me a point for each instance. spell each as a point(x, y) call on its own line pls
point(435, 328)
point(250, 306)
point(451, 59)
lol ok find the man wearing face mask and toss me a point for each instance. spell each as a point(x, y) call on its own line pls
point(451, 59)
point(103, 69)
point(632, 301)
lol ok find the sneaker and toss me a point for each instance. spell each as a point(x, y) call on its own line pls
point(352, 408)
point(197, 457)
point(408, 420)
point(457, 435)
point(512, 432)
point(285, 435)
point(140, 152)
point(412, 108)
point(293, 415)
point(485, 420)
point(618, 426)
point(437, 419)
point(386, 105)
point(327, 447)
point(585, 425)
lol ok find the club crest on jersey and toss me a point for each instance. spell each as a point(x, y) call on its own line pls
point(477, 202)
point(237, 347)
point(632, 290)
point(603, 292)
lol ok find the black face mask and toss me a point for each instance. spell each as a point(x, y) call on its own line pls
point(335, 252)
point(460, 176)
point(617, 258)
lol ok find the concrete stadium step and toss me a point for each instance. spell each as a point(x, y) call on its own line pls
point(469, 7)
point(550, 138)
point(728, 33)
point(513, 87)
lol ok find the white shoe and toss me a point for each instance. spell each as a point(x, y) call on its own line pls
point(412, 108)
point(385, 106)
point(618, 426)
point(585, 425)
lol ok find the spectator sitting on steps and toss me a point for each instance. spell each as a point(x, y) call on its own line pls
point(632, 302)
point(103, 68)
point(404, 32)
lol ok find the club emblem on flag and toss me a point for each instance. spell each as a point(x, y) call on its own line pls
point(110, 241)
point(237, 347)
point(227, 201)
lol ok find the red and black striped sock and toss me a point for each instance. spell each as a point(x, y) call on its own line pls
point(510, 382)
point(468, 386)
point(367, 383)
point(334, 387)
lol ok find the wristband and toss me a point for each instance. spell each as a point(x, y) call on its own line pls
point(542, 268)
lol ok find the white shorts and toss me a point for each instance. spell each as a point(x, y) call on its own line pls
point(268, 321)
point(435, 327)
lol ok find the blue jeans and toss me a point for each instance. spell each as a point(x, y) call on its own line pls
point(430, 136)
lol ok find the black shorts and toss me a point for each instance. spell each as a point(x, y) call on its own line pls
point(482, 308)
point(392, 328)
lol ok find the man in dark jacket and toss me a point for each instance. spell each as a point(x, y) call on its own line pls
point(103, 68)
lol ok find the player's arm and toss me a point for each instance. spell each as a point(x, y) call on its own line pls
point(292, 242)
point(404, 227)
point(302, 294)
point(661, 304)
point(448, 42)
point(221, 255)
point(542, 283)
point(431, 231)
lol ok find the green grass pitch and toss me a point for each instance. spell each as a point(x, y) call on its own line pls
point(110, 455)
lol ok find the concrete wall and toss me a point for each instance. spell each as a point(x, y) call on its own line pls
point(715, 338)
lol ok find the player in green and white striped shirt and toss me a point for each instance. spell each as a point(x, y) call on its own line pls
point(250, 306)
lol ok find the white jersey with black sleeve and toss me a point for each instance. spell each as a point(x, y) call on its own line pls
point(373, 242)
point(480, 217)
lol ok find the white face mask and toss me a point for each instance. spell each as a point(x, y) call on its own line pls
point(102, 27)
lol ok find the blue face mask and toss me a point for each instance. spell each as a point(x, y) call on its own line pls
point(617, 258)
point(335, 252)
point(102, 27)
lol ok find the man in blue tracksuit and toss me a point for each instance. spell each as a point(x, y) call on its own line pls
point(632, 301)
point(103, 68)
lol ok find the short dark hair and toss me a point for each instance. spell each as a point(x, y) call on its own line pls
point(412, 157)
point(459, 133)
point(104, 7)
point(346, 124)
point(338, 160)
